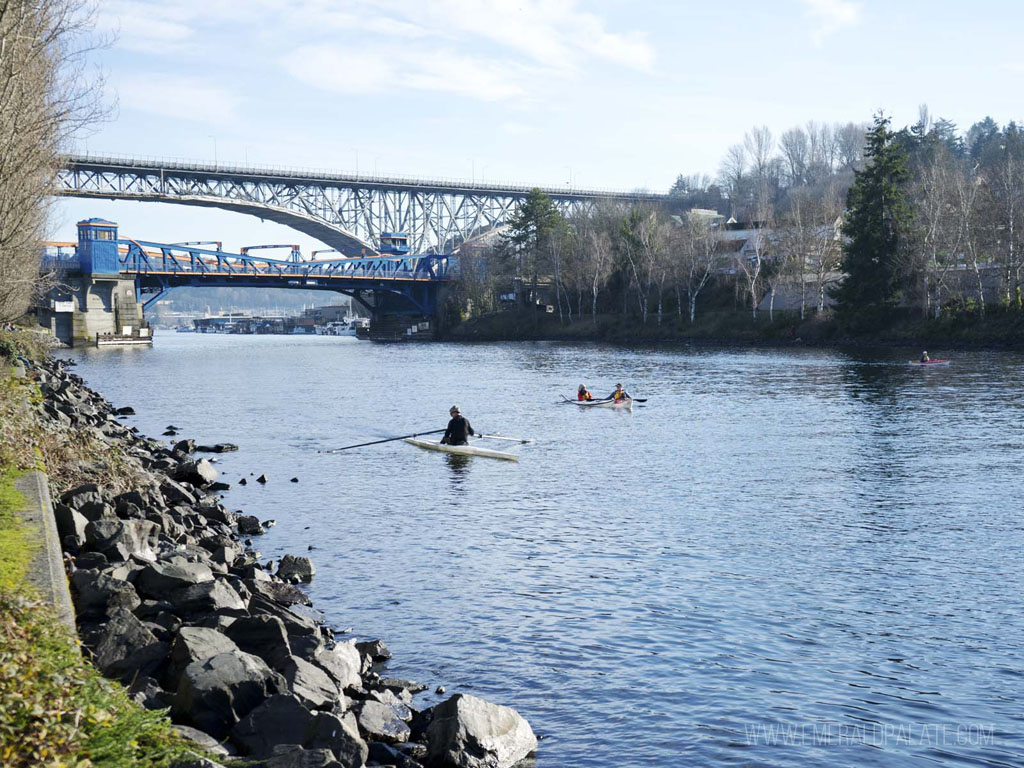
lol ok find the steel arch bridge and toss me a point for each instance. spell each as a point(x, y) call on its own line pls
point(347, 212)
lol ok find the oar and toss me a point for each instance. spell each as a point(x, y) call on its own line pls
point(378, 442)
point(513, 439)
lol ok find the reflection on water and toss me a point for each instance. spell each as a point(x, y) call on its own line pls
point(784, 559)
point(458, 468)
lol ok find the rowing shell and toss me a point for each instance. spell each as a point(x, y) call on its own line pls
point(929, 362)
point(626, 403)
point(461, 450)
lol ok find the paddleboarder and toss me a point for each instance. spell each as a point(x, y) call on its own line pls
point(458, 430)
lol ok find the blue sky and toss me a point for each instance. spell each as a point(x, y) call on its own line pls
point(610, 93)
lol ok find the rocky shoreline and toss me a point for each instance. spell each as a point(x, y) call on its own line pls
point(172, 601)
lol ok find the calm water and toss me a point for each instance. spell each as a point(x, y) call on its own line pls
point(786, 558)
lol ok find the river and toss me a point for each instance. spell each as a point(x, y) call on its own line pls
point(784, 558)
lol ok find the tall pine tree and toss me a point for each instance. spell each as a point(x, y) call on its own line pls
point(526, 244)
point(875, 227)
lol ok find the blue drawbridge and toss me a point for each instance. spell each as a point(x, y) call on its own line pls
point(394, 282)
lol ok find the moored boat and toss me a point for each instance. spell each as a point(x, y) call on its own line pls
point(461, 450)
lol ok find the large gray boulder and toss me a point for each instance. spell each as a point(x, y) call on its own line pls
point(468, 732)
point(122, 539)
point(156, 580)
point(277, 591)
point(292, 568)
point(263, 636)
point(119, 638)
point(176, 493)
point(342, 663)
point(215, 694)
point(207, 597)
point(70, 523)
point(282, 720)
point(82, 494)
point(194, 644)
point(98, 594)
point(340, 734)
point(198, 473)
point(312, 685)
point(380, 722)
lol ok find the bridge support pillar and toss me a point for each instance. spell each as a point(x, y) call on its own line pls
point(88, 306)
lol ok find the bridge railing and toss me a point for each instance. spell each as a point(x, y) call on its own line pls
point(142, 258)
point(59, 257)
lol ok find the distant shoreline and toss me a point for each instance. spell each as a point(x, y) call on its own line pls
point(732, 330)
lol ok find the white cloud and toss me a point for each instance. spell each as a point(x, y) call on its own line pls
point(182, 98)
point(553, 33)
point(372, 70)
point(491, 51)
point(831, 16)
point(140, 26)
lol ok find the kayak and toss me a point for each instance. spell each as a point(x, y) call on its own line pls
point(626, 403)
point(929, 362)
point(461, 450)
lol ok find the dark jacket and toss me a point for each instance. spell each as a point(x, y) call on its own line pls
point(458, 431)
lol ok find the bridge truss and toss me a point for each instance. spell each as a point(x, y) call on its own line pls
point(346, 212)
point(159, 267)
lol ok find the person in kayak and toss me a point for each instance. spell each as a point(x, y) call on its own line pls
point(924, 357)
point(583, 393)
point(458, 430)
point(619, 394)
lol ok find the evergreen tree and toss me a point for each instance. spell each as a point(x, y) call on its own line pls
point(527, 242)
point(877, 218)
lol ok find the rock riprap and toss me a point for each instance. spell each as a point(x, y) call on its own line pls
point(171, 600)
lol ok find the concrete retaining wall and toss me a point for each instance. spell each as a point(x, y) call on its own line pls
point(46, 571)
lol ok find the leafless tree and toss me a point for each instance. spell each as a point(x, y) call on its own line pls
point(794, 154)
point(967, 185)
point(733, 176)
point(850, 146)
point(643, 241)
point(698, 240)
point(808, 237)
point(936, 231)
point(46, 97)
point(1006, 206)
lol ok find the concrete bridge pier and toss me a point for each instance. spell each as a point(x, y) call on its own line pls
point(94, 299)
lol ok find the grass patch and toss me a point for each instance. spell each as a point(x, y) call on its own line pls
point(56, 709)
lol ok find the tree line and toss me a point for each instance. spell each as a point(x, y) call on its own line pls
point(857, 215)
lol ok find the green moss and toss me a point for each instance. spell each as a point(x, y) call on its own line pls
point(16, 546)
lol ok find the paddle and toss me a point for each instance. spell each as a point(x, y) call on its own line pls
point(378, 442)
point(513, 439)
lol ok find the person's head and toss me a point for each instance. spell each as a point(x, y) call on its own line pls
point(583, 388)
point(618, 386)
point(925, 352)
point(454, 411)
